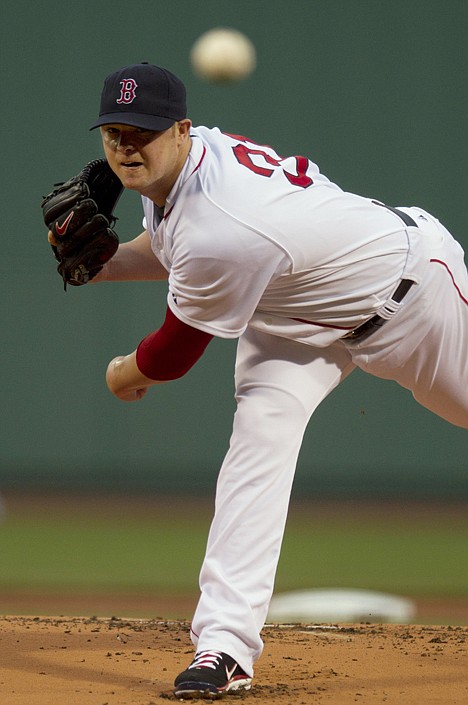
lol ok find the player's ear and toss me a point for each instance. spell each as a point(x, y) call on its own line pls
point(183, 127)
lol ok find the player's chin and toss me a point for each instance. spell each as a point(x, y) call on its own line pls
point(132, 177)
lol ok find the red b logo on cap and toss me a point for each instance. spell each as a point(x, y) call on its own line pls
point(127, 91)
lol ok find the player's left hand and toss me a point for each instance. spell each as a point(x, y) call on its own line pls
point(125, 380)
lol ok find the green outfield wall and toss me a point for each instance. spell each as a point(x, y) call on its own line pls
point(375, 92)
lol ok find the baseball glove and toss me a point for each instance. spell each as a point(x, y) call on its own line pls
point(79, 214)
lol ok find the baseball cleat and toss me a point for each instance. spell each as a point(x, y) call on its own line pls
point(209, 676)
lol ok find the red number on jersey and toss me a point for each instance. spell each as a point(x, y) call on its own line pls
point(243, 155)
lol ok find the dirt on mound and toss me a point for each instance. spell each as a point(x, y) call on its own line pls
point(97, 661)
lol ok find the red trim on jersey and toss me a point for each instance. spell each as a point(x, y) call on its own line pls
point(166, 215)
point(199, 163)
point(323, 325)
point(168, 353)
point(439, 261)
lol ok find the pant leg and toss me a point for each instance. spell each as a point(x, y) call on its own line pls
point(279, 383)
point(425, 346)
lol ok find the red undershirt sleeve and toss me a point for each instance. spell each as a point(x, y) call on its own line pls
point(171, 351)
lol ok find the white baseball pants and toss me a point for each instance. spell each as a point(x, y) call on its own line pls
point(279, 383)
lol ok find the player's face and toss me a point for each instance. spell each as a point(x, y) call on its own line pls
point(144, 160)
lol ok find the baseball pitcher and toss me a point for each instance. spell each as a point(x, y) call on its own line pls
point(311, 280)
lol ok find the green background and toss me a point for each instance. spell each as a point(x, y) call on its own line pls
point(374, 92)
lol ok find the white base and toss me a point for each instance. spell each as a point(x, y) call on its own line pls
point(340, 605)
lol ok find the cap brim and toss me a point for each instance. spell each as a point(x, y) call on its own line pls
point(146, 122)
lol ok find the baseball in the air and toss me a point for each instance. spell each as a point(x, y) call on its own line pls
point(223, 55)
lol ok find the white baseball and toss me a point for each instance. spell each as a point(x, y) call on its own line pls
point(223, 55)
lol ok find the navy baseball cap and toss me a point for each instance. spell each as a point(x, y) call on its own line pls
point(142, 95)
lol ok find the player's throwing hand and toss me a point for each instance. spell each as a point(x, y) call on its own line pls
point(125, 380)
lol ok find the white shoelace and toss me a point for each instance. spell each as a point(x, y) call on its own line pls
point(206, 659)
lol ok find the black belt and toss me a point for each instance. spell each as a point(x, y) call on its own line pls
point(363, 331)
point(407, 219)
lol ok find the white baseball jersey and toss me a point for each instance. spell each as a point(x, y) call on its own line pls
point(251, 238)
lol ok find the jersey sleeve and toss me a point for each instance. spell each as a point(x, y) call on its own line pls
point(170, 352)
point(216, 282)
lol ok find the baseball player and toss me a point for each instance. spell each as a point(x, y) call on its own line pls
point(313, 281)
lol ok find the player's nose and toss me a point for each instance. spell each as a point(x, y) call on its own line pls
point(125, 142)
